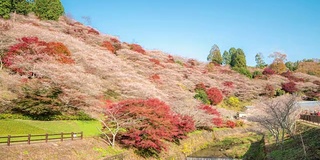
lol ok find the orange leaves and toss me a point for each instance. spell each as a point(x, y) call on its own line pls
point(113, 45)
point(109, 46)
point(137, 48)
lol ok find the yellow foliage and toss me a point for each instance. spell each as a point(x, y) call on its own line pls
point(278, 67)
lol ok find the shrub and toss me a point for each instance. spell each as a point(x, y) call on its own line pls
point(202, 96)
point(243, 71)
point(239, 123)
point(290, 76)
point(214, 95)
point(21, 56)
point(289, 87)
point(233, 102)
point(93, 31)
point(228, 84)
point(269, 90)
point(137, 48)
point(114, 40)
point(108, 46)
point(170, 59)
point(5, 9)
point(217, 121)
point(200, 86)
point(230, 124)
point(179, 62)
point(280, 92)
point(154, 122)
point(155, 61)
point(155, 77)
point(48, 9)
point(209, 110)
point(256, 74)
point(278, 67)
point(268, 71)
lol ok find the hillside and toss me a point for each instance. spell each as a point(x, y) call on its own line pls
point(98, 74)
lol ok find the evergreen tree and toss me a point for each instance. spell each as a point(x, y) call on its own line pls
point(259, 60)
point(5, 8)
point(48, 9)
point(292, 66)
point(226, 58)
point(21, 6)
point(215, 55)
point(238, 58)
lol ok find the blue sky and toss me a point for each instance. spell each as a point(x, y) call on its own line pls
point(190, 27)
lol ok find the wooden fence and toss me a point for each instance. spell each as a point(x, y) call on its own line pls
point(40, 137)
point(311, 118)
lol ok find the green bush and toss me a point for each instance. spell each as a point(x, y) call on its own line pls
point(256, 74)
point(280, 92)
point(48, 9)
point(202, 96)
point(243, 71)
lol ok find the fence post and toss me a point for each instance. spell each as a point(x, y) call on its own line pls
point(81, 136)
point(29, 138)
point(61, 136)
point(72, 136)
point(9, 137)
point(46, 137)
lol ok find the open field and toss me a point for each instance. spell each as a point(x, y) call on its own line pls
point(24, 127)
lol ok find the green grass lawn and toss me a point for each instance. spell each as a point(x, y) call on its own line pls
point(24, 127)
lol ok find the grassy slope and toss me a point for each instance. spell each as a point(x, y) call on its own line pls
point(17, 127)
point(293, 147)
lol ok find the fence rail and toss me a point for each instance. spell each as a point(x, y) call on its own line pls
point(311, 118)
point(43, 137)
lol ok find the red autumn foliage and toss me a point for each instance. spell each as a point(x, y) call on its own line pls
point(170, 59)
point(214, 95)
point(209, 110)
point(32, 50)
point(291, 77)
point(200, 86)
point(228, 84)
point(137, 48)
point(155, 61)
point(217, 121)
point(289, 87)
point(109, 46)
point(155, 122)
point(268, 71)
point(155, 77)
point(93, 31)
point(230, 124)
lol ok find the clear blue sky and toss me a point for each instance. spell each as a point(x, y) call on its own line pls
point(190, 27)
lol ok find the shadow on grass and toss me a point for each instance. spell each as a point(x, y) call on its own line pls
point(293, 148)
point(255, 151)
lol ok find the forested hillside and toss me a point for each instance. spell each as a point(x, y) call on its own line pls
point(63, 69)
